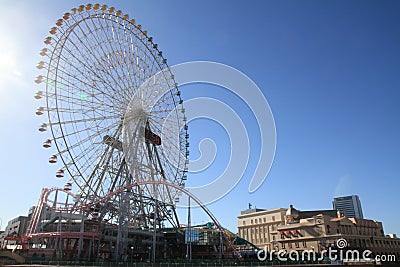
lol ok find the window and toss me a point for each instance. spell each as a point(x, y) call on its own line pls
point(283, 245)
point(251, 221)
point(264, 219)
point(297, 244)
point(244, 222)
point(304, 244)
point(255, 221)
point(273, 218)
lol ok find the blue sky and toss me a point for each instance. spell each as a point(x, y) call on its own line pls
point(329, 70)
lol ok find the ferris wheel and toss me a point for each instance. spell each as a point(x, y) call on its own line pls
point(114, 111)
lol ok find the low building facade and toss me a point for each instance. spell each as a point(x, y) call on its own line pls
point(17, 227)
point(317, 230)
point(259, 226)
point(322, 232)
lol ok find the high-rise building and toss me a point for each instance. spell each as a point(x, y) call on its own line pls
point(351, 205)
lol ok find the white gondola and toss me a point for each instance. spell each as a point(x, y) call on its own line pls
point(59, 22)
point(47, 143)
point(53, 159)
point(60, 173)
point(66, 16)
point(39, 79)
point(53, 30)
point(40, 111)
point(67, 186)
point(47, 40)
point(40, 65)
point(43, 52)
point(43, 127)
point(39, 95)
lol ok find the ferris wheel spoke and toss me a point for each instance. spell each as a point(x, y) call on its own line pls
point(128, 60)
point(66, 84)
point(81, 120)
point(87, 139)
point(111, 51)
point(74, 55)
point(94, 61)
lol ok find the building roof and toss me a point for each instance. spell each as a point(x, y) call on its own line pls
point(247, 211)
point(252, 212)
point(311, 213)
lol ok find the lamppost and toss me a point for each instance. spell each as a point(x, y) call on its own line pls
point(132, 248)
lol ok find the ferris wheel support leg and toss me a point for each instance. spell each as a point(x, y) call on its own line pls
point(121, 243)
point(153, 256)
point(103, 211)
point(163, 176)
point(81, 236)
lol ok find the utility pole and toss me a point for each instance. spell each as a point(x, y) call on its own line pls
point(189, 234)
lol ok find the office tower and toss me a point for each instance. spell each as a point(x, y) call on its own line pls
point(351, 205)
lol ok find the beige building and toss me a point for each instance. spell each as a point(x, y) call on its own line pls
point(290, 229)
point(259, 226)
point(322, 231)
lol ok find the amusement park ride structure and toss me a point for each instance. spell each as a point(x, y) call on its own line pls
point(117, 121)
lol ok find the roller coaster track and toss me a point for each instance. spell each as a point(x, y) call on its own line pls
point(84, 206)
